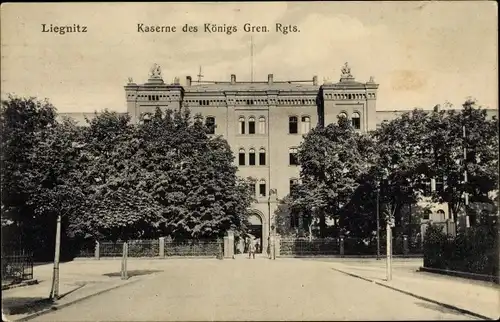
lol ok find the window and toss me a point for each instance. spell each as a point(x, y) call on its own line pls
point(241, 157)
point(292, 152)
point(262, 125)
point(251, 125)
point(440, 215)
point(262, 156)
point(262, 188)
point(292, 125)
point(146, 118)
point(242, 125)
point(251, 155)
point(306, 124)
point(253, 192)
point(356, 120)
point(210, 124)
point(342, 114)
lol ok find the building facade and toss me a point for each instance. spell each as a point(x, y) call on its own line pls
point(263, 122)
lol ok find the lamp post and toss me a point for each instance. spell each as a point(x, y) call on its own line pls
point(378, 221)
point(388, 229)
point(54, 292)
point(466, 195)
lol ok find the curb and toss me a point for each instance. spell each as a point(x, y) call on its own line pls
point(61, 306)
point(22, 284)
point(467, 275)
point(448, 306)
point(411, 256)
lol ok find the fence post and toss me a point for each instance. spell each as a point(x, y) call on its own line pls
point(405, 246)
point(342, 246)
point(278, 245)
point(220, 255)
point(162, 247)
point(96, 250)
point(124, 261)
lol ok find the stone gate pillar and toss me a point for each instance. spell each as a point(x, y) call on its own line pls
point(229, 245)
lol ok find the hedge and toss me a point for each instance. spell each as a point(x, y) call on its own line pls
point(474, 251)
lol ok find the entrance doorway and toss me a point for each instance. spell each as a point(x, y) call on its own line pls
point(255, 229)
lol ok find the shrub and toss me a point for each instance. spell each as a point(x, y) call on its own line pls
point(474, 251)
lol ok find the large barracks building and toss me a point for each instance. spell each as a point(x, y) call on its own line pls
point(263, 122)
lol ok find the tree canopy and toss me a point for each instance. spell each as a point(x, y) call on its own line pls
point(116, 180)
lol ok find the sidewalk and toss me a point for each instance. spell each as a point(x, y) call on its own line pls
point(481, 298)
point(78, 280)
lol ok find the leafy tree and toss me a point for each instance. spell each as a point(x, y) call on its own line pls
point(25, 123)
point(446, 162)
point(332, 160)
point(165, 176)
point(401, 162)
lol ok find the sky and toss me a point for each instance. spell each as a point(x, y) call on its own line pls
point(421, 53)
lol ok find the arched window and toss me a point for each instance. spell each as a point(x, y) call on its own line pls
point(146, 118)
point(241, 123)
point(441, 215)
point(342, 115)
point(356, 120)
point(306, 124)
point(241, 157)
point(292, 125)
point(210, 124)
point(262, 125)
point(262, 156)
point(262, 188)
point(251, 157)
point(251, 125)
point(292, 155)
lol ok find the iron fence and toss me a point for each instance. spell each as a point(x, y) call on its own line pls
point(110, 249)
point(136, 248)
point(17, 266)
point(349, 246)
point(143, 248)
point(192, 247)
point(305, 247)
point(86, 249)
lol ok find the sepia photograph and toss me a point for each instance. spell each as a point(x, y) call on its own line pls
point(250, 161)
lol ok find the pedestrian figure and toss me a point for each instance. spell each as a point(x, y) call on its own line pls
point(251, 248)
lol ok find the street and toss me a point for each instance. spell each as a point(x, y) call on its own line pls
point(244, 289)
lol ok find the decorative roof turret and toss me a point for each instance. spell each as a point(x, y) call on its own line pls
point(346, 75)
point(155, 76)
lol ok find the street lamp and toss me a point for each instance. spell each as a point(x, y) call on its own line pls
point(54, 292)
point(378, 220)
point(388, 228)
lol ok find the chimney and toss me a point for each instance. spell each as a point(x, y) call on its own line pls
point(270, 79)
point(188, 80)
point(233, 79)
point(315, 80)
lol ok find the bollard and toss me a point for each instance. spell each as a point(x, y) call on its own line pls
point(124, 261)
point(342, 246)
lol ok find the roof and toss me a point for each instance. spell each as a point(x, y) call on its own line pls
point(251, 87)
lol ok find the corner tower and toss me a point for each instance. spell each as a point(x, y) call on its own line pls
point(351, 99)
point(145, 98)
